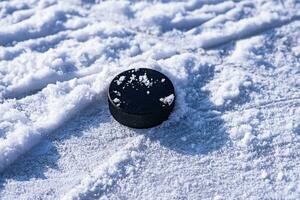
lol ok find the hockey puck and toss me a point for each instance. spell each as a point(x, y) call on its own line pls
point(141, 98)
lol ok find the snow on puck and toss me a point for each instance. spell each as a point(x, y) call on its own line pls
point(141, 98)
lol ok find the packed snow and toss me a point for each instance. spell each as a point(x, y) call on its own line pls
point(235, 129)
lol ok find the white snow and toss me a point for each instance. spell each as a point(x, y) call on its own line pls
point(120, 80)
point(168, 100)
point(143, 79)
point(119, 165)
point(226, 86)
point(117, 101)
point(241, 131)
point(234, 132)
point(37, 115)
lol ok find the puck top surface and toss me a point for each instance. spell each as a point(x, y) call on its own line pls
point(141, 91)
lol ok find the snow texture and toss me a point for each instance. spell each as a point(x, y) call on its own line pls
point(235, 129)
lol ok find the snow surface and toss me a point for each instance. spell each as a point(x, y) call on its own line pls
point(235, 129)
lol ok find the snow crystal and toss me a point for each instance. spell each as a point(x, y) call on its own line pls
point(120, 80)
point(144, 79)
point(280, 176)
point(183, 138)
point(264, 174)
point(117, 101)
point(168, 99)
point(117, 93)
point(132, 78)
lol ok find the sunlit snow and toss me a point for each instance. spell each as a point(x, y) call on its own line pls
point(235, 129)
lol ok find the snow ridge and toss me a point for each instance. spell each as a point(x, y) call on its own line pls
point(36, 116)
point(36, 26)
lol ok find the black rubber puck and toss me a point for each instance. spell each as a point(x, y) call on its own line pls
point(141, 98)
